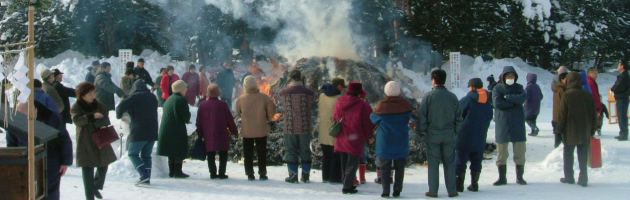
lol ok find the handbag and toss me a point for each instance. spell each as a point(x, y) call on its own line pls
point(199, 150)
point(335, 129)
point(105, 136)
point(595, 154)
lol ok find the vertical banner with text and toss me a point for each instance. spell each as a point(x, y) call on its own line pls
point(455, 69)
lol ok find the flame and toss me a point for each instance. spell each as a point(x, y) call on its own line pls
point(276, 117)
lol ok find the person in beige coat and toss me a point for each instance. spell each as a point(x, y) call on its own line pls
point(256, 110)
point(331, 171)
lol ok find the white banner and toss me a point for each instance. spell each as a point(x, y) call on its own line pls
point(455, 69)
point(125, 56)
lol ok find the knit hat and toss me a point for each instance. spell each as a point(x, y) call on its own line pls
point(392, 89)
point(355, 88)
point(96, 63)
point(475, 82)
point(214, 90)
point(490, 78)
point(141, 60)
point(46, 73)
point(250, 83)
point(179, 86)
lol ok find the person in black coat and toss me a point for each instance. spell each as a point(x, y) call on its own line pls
point(226, 82)
point(65, 93)
point(92, 71)
point(58, 151)
point(142, 107)
point(142, 73)
point(621, 90)
point(476, 109)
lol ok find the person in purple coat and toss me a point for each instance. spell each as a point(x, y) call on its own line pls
point(532, 105)
point(215, 123)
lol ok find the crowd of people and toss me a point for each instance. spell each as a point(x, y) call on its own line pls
point(455, 129)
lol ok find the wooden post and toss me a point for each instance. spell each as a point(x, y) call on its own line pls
point(32, 189)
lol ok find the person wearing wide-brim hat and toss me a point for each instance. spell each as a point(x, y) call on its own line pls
point(173, 137)
point(356, 131)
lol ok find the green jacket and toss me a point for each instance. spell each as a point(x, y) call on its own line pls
point(105, 90)
point(439, 112)
point(173, 137)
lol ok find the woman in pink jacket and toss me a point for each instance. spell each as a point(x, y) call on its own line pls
point(356, 130)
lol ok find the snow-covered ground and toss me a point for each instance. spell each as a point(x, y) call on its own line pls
point(544, 165)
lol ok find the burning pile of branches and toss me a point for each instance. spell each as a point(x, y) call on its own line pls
point(319, 71)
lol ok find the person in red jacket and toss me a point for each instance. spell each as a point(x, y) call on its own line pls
point(592, 83)
point(357, 128)
point(169, 78)
point(192, 79)
point(215, 123)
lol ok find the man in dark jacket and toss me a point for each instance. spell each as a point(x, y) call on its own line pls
point(105, 88)
point(508, 98)
point(48, 78)
point(476, 112)
point(491, 82)
point(142, 107)
point(226, 82)
point(92, 71)
point(65, 93)
point(298, 126)
point(621, 90)
point(532, 105)
point(59, 150)
point(577, 124)
point(142, 73)
point(439, 119)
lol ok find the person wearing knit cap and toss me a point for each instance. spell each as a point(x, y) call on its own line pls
point(331, 165)
point(173, 137)
point(92, 71)
point(215, 124)
point(439, 118)
point(491, 82)
point(354, 114)
point(298, 102)
point(49, 88)
point(476, 109)
point(392, 114)
point(256, 111)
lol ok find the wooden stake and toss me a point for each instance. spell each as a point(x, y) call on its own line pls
point(32, 189)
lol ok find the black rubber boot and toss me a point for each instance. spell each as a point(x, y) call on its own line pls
point(460, 182)
point(171, 170)
point(178, 171)
point(502, 180)
point(474, 181)
point(305, 178)
point(293, 178)
point(520, 169)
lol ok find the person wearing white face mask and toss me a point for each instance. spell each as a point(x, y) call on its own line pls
point(508, 100)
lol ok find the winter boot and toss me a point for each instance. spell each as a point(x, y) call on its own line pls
point(352, 190)
point(251, 177)
point(622, 138)
point(520, 169)
point(97, 194)
point(474, 181)
point(178, 171)
point(377, 180)
point(362, 169)
point(143, 175)
point(306, 170)
point(171, 170)
point(293, 175)
point(222, 176)
point(396, 193)
point(460, 182)
point(148, 182)
point(502, 180)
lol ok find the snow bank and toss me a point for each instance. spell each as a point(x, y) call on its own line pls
point(554, 162)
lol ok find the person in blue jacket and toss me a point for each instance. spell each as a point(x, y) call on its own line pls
point(585, 82)
point(508, 99)
point(476, 111)
point(532, 105)
point(392, 140)
point(59, 150)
